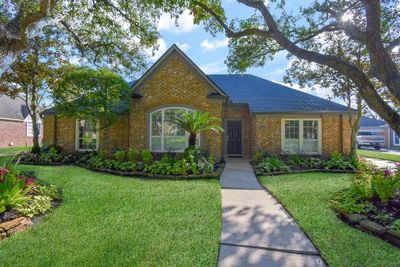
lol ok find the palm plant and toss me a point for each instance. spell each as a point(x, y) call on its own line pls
point(195, 123)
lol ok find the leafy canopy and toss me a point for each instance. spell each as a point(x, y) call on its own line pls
point(92, 94)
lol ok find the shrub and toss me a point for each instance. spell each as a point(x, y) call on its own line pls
point(50, 156)
point(296, 160)
point(396, 226)
point(349, 201)
point(260, 155)
point(102, 154)
point(120, 155)
point(37, 205)
point(133, 155)
point(127, 166)
point(13, 189)
point(337, 161)
point(384, 184)
point(146, 156)
point(272, 164)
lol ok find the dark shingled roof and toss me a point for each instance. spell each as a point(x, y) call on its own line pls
point(13, 108)
point(370, 122)
point(264, 96)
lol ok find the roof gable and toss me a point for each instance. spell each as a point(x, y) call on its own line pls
point(371, 122)
point(14, 109)
point(175, 49)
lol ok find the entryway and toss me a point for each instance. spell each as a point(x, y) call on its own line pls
point(234, 138)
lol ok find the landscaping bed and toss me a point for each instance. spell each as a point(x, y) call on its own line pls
point(372, 203)
point(23, 200)
point(266, 164)
point(193, 164)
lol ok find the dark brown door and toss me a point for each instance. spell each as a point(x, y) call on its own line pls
point(234, 136)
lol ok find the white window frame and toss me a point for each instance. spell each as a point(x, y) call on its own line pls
point(394, 139)
point(301, 129)
point(77, 136)
point(29, 129)
point(150, 136)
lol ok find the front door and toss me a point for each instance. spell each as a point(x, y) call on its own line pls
point(234, 137)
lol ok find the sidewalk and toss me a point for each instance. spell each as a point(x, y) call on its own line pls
point(256, 230)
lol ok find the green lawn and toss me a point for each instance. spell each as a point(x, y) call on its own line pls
point(378, 155)
point(108, 220)
point(9, 150)
point(306, 197)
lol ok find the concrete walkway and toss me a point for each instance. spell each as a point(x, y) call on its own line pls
point(381, 163)
point(256, 230)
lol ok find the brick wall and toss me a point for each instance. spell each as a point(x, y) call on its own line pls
point(174, 83)
point(335, 130)
point(241, 113)
point(14, 132)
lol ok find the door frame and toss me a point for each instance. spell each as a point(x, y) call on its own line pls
point(225, 134)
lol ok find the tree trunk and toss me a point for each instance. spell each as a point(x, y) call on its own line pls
point(355, 126)
point(36, 145)
point(192, 139)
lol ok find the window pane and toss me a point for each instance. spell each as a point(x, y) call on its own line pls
point(292, 129)
point(170, 128)
point(156, 143)
point(310, 146)
point(156, 123)
point(291, 146)
point(87, 134)
point(310, 129)
point(175, 143)
point(396, 139)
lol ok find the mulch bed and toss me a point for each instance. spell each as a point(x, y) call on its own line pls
point(292, 171)
point(373, 223)
point(215, 175)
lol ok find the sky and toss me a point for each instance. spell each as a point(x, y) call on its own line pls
point(209, 53)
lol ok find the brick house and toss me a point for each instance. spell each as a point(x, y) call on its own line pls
point(15, 123)
point(255, 113)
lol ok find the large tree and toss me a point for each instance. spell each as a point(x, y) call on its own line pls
point(113, 33)
point(373, 24)
point(93, 94)
point(34, 75)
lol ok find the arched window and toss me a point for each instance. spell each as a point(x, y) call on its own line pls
point(166, 136)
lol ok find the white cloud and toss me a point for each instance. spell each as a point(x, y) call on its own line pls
point(209, 46)
point(183, 46)
point(214, 67)
point(184, 23)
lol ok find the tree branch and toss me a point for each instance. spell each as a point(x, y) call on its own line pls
point(393, 44)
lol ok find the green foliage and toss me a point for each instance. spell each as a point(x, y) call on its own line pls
point(260, 155)
point(146, 156)
point(129, 166)
point(385, 186)
point(120, 156)
point(349, 201)
point(133, 155)
point(272, 164)
point(50, 156)
point(337, 161)
point(396, 226)
point(296, 160)
point(194, 162)
point(102, 154)
point(197, 122)
point(92, 94)
point(37, 205)
point(13, 190)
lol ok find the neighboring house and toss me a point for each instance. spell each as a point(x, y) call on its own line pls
point(380, 127)
point(255, 113)
point(15, 123)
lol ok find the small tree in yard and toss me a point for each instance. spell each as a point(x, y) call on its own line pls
point(195, 123)
point(33, 76)
point(93, 94)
